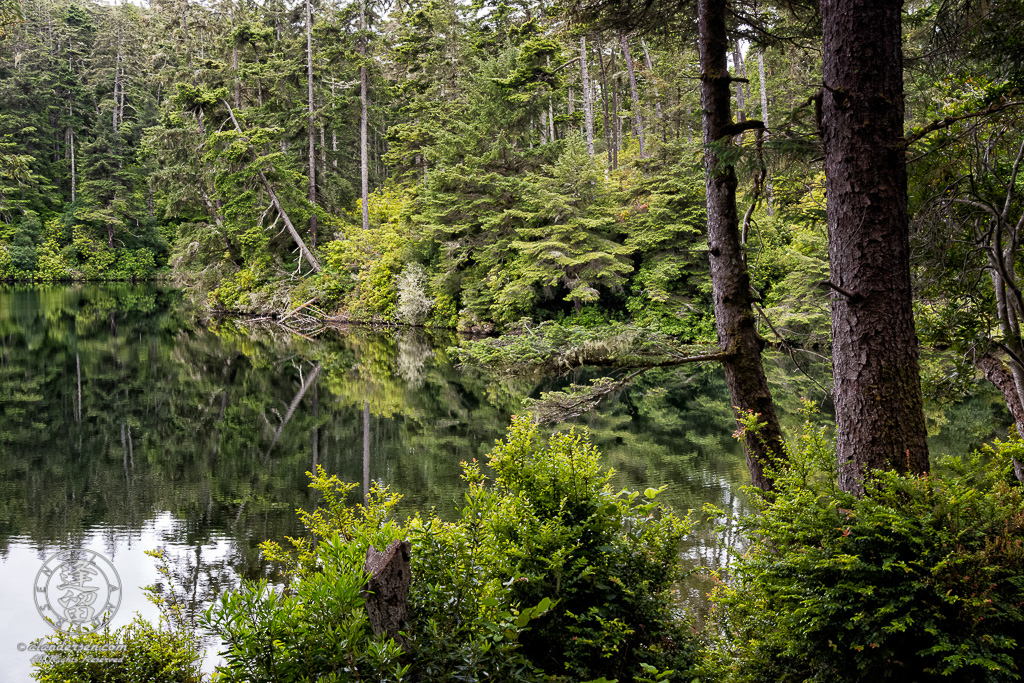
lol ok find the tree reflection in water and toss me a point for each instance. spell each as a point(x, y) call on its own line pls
point(117, 407)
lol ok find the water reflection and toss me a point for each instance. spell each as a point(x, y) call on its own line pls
point(126, 426)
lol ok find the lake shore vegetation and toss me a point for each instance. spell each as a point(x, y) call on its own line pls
point(634, 186)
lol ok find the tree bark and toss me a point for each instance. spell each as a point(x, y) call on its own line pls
point(387, 590)
point(117, 78)
point(764, 118)
point(734, 315)
point(604, 101)
point(741, 102)
point(74, 179)
point(615, 120)
point(638, 121)
point(364, 163)
point(654, 82)
point(995, 371)
point(879, 407)
point(312, 124)
point(588, 100)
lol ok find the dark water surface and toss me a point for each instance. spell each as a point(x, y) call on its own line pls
point(126, 427)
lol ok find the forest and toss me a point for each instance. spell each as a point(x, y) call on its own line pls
point(627, 186)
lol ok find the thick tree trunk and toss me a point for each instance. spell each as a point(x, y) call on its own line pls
point(734, 315)
point(364, 160)
point(879, 414)
point(312, 125)
point(588, 100)
point(638, 121)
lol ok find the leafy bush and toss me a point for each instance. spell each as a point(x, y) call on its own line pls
point(360, 268)
point(920, 579)
point(552, 528)
point(318, 627)
point(139, 652)
point(546, 574)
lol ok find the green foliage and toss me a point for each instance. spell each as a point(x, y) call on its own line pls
point(553, 528)
point(556, 347)
point(545, 572)
point(664, 220)
point(362, 267)
point(318, 627)
point(137, 653)
point(920, 579)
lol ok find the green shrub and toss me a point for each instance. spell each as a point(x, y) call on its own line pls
point(141, 653)
point(920, 579)
point(546, 575)
point(551, 527)
point(317, 629)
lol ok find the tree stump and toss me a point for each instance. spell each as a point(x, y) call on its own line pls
point(387, 591)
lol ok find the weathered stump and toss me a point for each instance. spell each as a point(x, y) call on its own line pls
point(387, 591)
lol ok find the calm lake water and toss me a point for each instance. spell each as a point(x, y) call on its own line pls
point(125, 427)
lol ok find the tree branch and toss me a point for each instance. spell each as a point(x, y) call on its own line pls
point(950, 120)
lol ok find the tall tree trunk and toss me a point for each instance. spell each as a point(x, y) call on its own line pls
point(117, 80)
point(616, 121)
point(764, 118)
point(238, 83)
point(604, 100)
point(879, 414)
point(334, 135)
point(553, 130)
point(323, 149)
point(364, 165)
point(638, 121)
point(734, 315)
point(74, 178)
point(741, 102)
point(588, 100)
point(654, 82)
point(311, 125)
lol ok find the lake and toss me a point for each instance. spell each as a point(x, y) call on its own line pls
point(126, 425)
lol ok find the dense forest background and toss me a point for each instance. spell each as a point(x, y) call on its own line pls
point(517, 162)
point(518, 165)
